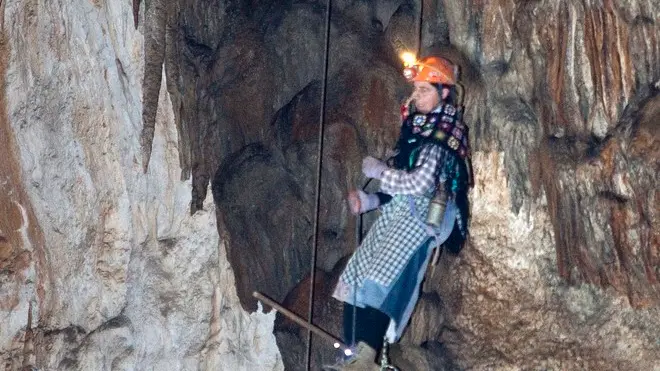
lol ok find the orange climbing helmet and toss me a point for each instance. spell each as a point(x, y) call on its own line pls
point(435, 70)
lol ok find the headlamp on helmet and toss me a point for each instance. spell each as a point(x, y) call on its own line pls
point(410, 72)
point(434, 70)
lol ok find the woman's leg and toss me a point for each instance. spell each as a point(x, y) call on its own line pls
point(370, 326)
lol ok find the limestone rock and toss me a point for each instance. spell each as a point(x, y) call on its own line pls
point(558, 189)
point(120, 275)
point(110, 135)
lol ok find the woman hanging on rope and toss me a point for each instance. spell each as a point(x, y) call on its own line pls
point(424, 204)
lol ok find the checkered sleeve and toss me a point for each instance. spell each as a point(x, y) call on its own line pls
point(416, 181)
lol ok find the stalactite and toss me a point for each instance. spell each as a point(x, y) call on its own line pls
point(154, 57)
point(136, 12)
point(28, 345)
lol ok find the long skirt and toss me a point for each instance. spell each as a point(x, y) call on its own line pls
point(387, 270)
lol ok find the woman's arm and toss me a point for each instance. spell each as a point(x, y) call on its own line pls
point(417, 181)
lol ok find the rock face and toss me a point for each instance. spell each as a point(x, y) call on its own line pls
point(116, 271)
point(571, 94)
point(119, 119)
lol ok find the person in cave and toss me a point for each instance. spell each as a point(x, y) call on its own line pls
point(423, 200)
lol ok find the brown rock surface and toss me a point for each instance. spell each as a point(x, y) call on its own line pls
point(21, 239)
point(560, 96)
point(116, 116)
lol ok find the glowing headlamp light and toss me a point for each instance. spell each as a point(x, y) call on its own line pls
point(410, 72)
point(409, 59)
point(409, 62)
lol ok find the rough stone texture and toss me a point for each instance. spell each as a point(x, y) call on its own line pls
point(571, 271)
point(116, 271)
point(507, 306)
point(562, 268)
point(558, 95)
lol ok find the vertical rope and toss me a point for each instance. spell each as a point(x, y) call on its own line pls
point(312, 281)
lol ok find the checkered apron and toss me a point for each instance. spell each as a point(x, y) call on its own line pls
point(389, 245)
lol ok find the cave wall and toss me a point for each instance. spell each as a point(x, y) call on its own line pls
point(566, 83)
point(116, 272)
point(561, 97)
point(159, 165)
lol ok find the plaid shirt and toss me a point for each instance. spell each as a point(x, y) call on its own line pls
point(418, 181)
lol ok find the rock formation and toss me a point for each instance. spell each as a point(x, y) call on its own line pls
point(117, 272)
point(159, 163)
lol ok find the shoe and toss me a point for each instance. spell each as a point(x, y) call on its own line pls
point(361, 360)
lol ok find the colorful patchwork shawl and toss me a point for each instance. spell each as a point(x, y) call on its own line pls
point(444, 127)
